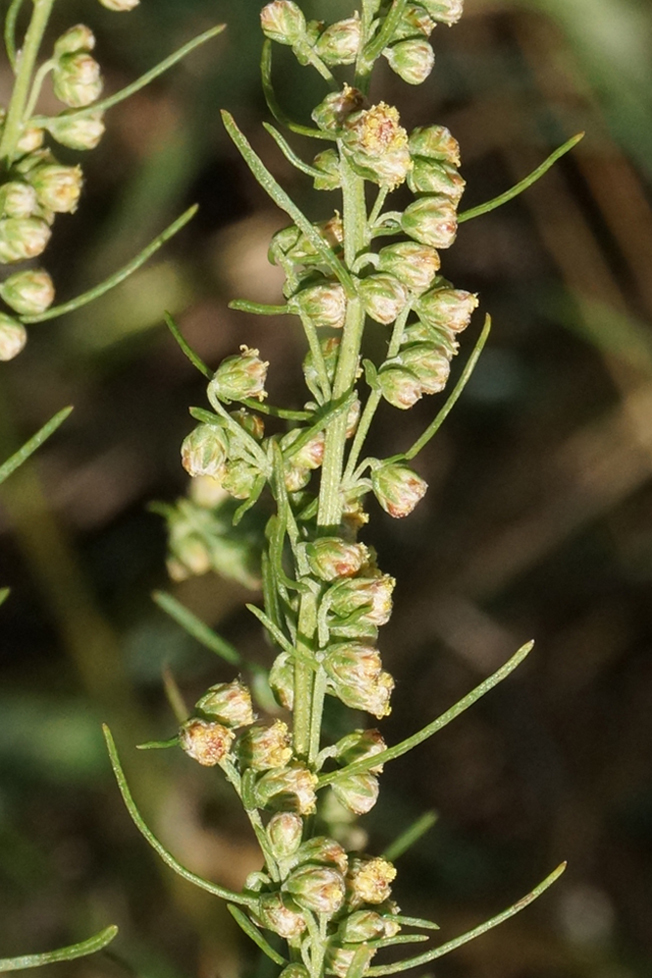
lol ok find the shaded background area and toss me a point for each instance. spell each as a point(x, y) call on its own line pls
point(537, 522)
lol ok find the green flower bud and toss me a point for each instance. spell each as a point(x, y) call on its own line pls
point(291, 244)
point(364, 925)
point(328, 163)
point(358, 793)
point(205, 741)
point(414, 264)
point(377, 146)
point(13, 337)
point(240, 478)
point(332, 557)
point(414, 21)
point(283, 21)
point(294, 971)
point(253, 424)
point(189, 553)
point(340, 958)
point(339, 44)
point(445, 11)
point(276, 913)
point(400, 387)
point(239, 377)
point(359, 745)
point(31, 139)
point(77, 38)
point(317, 888)
point(383, 296)
point(78, 132)
point(321, 849)
point(288, 789)
point(442, 337)
point(330, 347)
point(29, 293)
point(120, 6)
point(262, 748)
point(431, 220)
point(22, 238)
point(204, 451)
point(18, 199)
point(228, 703)
point(429, 365)
point(374, 594)
point(58, 187)
point(397, 488)
point(353, 663)
point(324, 304)
point(412, 60)
point(451, 308)
point(435, 143)
point(297, 477)
point(281, 680)
point(436, 177)
point(369, 880)
point(335, 109)
point(77, 80)
point(365, 691)
point(284, 832)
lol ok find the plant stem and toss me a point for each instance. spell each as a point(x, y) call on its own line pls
point(20, 95)
point(304, 675)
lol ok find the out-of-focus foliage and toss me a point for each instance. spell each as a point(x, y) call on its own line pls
point(537, 522)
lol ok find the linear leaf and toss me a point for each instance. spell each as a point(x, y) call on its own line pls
point(289, 153)
point(194, 358)
point(273, 105)
point(198, 629)
point(34, 442)
point(410, 837)
point(91, 946)
point(252, 931)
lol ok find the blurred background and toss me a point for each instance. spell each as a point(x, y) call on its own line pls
point(537, 523)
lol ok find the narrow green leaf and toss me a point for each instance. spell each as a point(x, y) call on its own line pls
point(258, 308)
point(491, 205)
point(159, 744)
point(289, 153)
point(470, 935)
point(276, 412)
point(359, 962)
point(252, 931)
point(194, 358)
point(197, 628)
point(378, 43)
point(166, 856)
point(118, 277)
point(273, 105)
point(454, 396)
point(432, 728)
point(410, 837)
point(34, 442)
point(400, 939)
point(4, 594)
point(10, 31)
point(281, 199)
point(338, 407)
point(91, 946)
point(413, 921)
point(273, 629)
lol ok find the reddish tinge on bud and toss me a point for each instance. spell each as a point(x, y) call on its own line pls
point(358, 793)
point(204, 451)
point(229, 703)
point(281, 916)
point(332, 557)
point(239, 377)
point(317, 888)
point(288, 789)
point(397, 488)
point(435, 143)
point(262, 748)
point(431, 220)
point(205, 741)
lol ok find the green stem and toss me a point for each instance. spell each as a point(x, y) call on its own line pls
point(318, 697)
point(20, 95)
point(304, 676)
point(10, 31)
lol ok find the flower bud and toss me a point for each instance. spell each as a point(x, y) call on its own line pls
point(436, 177)
point(400, 387)
point(296, 477)
point(120, 6)
point(339, 44)
point(364, 925)
point(284, 832)
point(77, 79)
point(288, 789)
point(451, 308)
point(434, 143)
point(412, 60)
point(205, 741)
point(336, 108)
point(22, 238)
point(58, 187)
point(373, 594)
point(331, 557)
point(283, 21)
point(240, 478)
point(429, 365)
point(78, 131)
point(383, 296)
point(276, 913)
point(353, 663)
point(369, 880)
point(358, 793)
point(413, 21)
point(317, 888)
point(397, 488)
point(204, 451)
point(359, 745)
point(340, 958)
point(18, 199)
point(328, 163)
point(239, 377)
point(377, 146)
point(431, 220)
point(253, 424)
point(30, 139)
point(294, 971)
point(228, 703)
point(281, 680)
point(77, 38)
point(13, 337)
point(323, 304)
point(29, 293)
point(412, 263)
point(445, 11)
point(262, 748)
point(442, 337)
